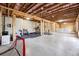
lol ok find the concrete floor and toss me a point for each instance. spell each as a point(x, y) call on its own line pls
point(57, 44)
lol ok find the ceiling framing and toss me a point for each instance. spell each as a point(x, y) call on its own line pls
point(49, 11)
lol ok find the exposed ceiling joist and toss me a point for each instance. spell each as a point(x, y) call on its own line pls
point(24, 7)
point(52, 7)
point(34, 7)
point(39, 9)
point(49, 11)
point(16, 12)
point(33, 4)
point(56, 9)
point(45, 8)
point(73, 6)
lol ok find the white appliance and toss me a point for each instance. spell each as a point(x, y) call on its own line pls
point(5, 39)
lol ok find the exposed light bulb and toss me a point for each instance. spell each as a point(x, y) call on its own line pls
point(27, 18)
point(52, 16)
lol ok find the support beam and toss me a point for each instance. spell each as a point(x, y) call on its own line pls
point(48, 24)
point(41, 32)
point(42, 27)
point(77, 26)
point(54, 24)
point(14, 27)
point(22, 26)
point(46, 27)
point(0, 21)
point(52, 28)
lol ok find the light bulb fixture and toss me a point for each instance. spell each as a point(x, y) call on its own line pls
point(52, 16)
point(42, 8)
point(60, 21)
point(64, 23)
point(28, 18)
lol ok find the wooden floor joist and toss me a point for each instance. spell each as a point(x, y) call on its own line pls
point(25, 15)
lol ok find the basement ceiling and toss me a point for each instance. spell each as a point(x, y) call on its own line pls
point(49, 11)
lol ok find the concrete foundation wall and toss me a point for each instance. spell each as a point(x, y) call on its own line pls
point(29, 25)
point(8, 21)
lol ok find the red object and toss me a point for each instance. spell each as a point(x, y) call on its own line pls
point(24, 47)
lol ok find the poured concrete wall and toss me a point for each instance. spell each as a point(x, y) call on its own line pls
point(29, 25)
point(20, 24)
point(8, 20)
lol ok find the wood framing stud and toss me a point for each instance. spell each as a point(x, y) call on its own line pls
point(77, 26)
point(0, 21)
point(14, 27)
